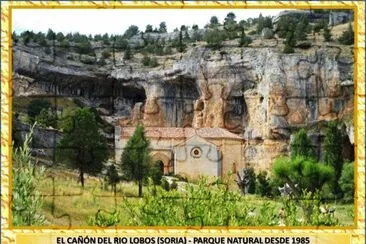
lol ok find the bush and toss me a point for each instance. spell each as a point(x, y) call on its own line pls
point(106, 54)
point(64, 44)
point(156, 172)
point(263, 187)
point(327, 34)
point(308, 174)
point(198, 205)
point(347, 182)
point(26, 200)
point(35, 107)
point(46, 118)
point(347, 37)
point(214, 38)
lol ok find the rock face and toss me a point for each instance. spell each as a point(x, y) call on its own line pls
point(256, 93)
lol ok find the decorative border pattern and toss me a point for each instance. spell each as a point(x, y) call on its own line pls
point(357, 231)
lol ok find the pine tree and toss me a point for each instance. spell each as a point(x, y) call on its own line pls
point(135, 160)
point(327, 34)
point(333, 152)
point(82, 146)
point(112, 177)
point(302, 146)
point(347, 37)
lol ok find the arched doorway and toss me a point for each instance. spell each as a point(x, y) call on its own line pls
point(166, 165)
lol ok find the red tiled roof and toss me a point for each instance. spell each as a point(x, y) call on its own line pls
point(177, 132)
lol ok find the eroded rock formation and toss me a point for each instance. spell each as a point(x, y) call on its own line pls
point(258, 93)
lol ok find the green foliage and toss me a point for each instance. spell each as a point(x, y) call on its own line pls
point(112, 176)
point(82, 147)
point(156, 172)
point(263, 187)
point(60, 37)
point(301, 29)
point(244, 40)
point(35, 107)
point(319, 25)
point(333, 152)
point(135, 160)
point(346, 181)
point(104, 219)
point(301, 145)
point(162, 27)
point(327, 34)
point(267, 23)
point(252, 179)
point(64, 44)
point(347, 37)
point(128, 53)
point(120, 43)
point(151, 62)
point(288, 49)
point(306, 172)
point(106, 54)
point(214, 21)
point(131, 31)
point(284, 25)
point(214, 38)
point(260, 24)
point(198, 205)
point(309, 205)
point(26, 200)
point(50, 35)
point(84, 47)
point(46, 118)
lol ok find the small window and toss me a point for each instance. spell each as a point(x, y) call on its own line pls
point(196, 152)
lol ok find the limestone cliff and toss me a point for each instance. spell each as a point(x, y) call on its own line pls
point(257, 92)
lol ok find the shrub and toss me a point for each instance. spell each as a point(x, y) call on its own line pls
point(35, 107)
point(327, 34)
point(346, 181)
point(106, 54)
point(156, 172)
point(308, 174)
point(263, 187)
point(214, 38)
point(26, 200)
point(347, 37)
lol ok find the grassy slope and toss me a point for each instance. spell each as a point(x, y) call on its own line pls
point(93, 198)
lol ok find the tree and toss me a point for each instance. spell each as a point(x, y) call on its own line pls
point(347, 37)
point(301, 29)
point(60, 37)
point(46, 118)
point(327, 34)
point(306, 173)
point(346, 181)
point(131, 31)
point(35, 107)
point(244, 40)
point(267, 23)
point(157, 172)
point(290, 42)
point(50, 35)
point(301, 145)
point(82, 147)
point(148, 28)
point(162, 27)
point(214, 38)
point(263, 187)
point(128, 53)
point(135, 160)
point(260, 24)
point(333, 152)
point(84, 47)
point(112, 177)
point(214, 21)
